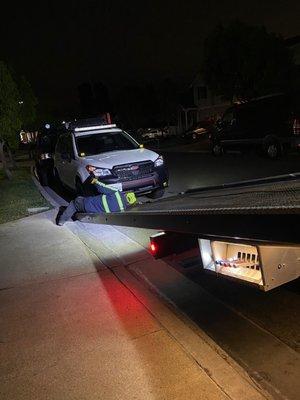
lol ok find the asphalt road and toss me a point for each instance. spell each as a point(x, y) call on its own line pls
point(261, 319)
point(192, 170)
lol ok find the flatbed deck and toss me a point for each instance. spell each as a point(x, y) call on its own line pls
point(263, 210)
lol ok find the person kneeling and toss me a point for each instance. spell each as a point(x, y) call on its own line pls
point(108, 200)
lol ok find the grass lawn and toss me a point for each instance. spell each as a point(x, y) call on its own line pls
point(19, 194)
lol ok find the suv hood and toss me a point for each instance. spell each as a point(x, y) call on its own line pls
point(113, 158)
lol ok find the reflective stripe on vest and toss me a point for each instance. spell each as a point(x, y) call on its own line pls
point(119, 200)
point(105, 204)
point(105, 186)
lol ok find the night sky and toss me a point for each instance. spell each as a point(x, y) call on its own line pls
point(58, 45)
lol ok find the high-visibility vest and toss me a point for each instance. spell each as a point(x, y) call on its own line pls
point(119, 200)
point(104, 198)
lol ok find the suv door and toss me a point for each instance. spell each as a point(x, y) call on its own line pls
point(60, 150)
point(247, 127)
point(238, 127)
point(227, 128)
point(70, 163)
point(64, 159)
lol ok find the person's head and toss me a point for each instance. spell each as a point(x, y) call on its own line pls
point(131, 198)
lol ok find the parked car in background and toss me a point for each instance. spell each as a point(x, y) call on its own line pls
point(113, 156)
point(151, 133)
point(157, 133)
point(268, 123)
point(198, 130)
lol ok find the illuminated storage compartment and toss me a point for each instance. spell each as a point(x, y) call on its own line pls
point(266, 266)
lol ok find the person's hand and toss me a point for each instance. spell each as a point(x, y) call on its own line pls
point(90, 179)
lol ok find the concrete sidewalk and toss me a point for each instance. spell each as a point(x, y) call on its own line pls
point(71, 328)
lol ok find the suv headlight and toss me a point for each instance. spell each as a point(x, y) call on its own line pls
point(98, 171)
point(159, 161)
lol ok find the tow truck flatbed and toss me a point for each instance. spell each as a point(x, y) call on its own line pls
point(265, 210)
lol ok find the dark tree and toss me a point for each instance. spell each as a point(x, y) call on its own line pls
point(94, 99)
point(168, 100)
point(130, 106)
point(10, 121)
point(149, 105)
point(102, 99)
point(243, 62)
point(28, 103)
point(86, 98)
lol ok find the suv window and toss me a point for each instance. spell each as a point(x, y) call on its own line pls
point(229, 117)
point(104, 142)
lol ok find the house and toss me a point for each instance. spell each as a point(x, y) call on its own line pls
point(198, 104)
point(293, 43)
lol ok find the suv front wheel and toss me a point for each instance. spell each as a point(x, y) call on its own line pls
point(84, 189)
point(80, 190)
point(156, 194)
point(56, 176)
point(43, 177)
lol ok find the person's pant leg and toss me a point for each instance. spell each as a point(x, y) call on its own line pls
point(74, 206)
point(79, 204)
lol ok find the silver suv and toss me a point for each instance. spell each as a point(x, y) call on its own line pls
point(113, 156)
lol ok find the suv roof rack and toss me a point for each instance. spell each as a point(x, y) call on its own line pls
point(96, 127)
point(90, 123)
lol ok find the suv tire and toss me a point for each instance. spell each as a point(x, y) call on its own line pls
point(156, 194)
point(217, 150)
point(56, 176)
point(43, 177)
point(80, 191)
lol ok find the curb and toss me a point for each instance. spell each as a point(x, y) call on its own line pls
point(48, 193)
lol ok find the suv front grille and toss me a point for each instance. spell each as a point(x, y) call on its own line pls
point(131, 172)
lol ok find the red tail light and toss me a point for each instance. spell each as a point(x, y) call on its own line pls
point(153, 248)
point(163, 244)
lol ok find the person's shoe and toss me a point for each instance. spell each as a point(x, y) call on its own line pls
point(58, 219)
point(59, 222)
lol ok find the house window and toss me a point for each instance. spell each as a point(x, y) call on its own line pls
point(202, 92)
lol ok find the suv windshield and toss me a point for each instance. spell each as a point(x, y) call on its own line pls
point(90, 145)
